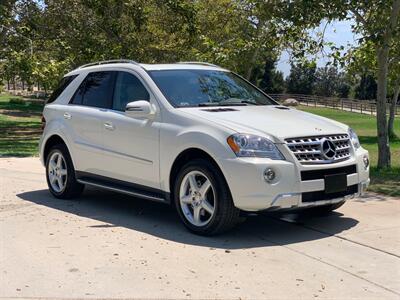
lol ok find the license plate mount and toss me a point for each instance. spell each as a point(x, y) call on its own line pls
point(335, 183)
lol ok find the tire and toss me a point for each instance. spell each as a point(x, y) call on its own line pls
point(70, 187)
point(195, 209)
point(325, 209)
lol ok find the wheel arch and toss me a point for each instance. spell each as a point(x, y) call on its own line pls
point(187, 155)
point(55, 139)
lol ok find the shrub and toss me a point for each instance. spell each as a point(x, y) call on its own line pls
point(16, 101)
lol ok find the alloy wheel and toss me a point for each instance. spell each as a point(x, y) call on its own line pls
point(197, 198)
point(57, 172)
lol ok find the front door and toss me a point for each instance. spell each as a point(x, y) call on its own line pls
point(131, 145)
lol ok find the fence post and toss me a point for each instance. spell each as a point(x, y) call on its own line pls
point(361, 107)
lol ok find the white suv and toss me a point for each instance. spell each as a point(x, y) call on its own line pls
point(196, 136)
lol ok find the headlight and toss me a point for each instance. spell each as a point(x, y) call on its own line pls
point(354, 139)
point(246, 145)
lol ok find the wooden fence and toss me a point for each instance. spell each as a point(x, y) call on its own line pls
point(360, 106)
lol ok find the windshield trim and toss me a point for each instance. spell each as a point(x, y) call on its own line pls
point(149, 72)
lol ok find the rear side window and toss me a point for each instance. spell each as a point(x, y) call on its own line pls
point(62, 85)
point(96, 90)
point(128, 88)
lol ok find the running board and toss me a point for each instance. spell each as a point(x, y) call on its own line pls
point(123, 187)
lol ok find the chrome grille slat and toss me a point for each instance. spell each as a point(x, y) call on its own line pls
point(307, 150)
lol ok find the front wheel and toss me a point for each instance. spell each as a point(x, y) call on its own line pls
point(203, 200)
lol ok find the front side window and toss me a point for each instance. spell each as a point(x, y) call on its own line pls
point(187, 88)
point(96, 90)
point(128, 88)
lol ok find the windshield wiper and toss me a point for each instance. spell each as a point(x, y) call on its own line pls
point(237, 100)
point(229, 102)
point(249, 102)
point(221, 104)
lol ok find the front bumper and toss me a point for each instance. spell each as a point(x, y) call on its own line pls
point(251, 192)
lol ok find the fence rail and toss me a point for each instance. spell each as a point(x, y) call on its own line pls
point(359, 106)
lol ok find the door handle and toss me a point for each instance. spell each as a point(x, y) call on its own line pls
point(67, 116)
point(109, 126)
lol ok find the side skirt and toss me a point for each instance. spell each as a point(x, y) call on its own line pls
point(124, 187)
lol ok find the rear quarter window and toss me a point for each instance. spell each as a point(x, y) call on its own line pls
point(62, 85)
point(96, 90)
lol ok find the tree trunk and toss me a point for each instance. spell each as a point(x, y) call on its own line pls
point(252, 62)
point(393, 108)
point(383, 137)
point(383, 62)
point(255, 53)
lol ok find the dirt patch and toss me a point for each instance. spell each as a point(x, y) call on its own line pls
point(19, 114)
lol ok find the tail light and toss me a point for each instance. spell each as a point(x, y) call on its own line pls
point(43, 122)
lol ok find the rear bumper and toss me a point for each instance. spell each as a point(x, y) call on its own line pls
point(290, 189)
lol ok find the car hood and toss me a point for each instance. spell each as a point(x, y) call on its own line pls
point(279, 122)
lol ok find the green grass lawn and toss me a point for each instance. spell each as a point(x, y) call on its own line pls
point(20, 133)
point(385, 181)
point(19, 126)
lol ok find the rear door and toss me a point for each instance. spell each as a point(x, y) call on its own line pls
point(85, 118)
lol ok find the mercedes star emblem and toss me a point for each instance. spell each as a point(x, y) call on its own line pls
point(328, 149)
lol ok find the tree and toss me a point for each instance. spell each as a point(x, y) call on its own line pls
point(330, 82)
point(364, 58)
point(271, 81)
point(301, 79)
point(367, 87)
point(377, 24)
point(395, 89)
point(394, 83)
point(343, 89)
point(239, 35)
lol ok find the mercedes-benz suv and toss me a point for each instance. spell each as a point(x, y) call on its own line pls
point(196, 136)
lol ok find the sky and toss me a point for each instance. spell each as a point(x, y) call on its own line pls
point(338, 32)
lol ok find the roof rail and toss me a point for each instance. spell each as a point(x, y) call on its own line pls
point(198, 63)
point(113, 61)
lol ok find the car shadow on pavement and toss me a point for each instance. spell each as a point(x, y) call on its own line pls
point(117, 210)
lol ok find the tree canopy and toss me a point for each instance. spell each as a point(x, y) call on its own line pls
point(41, 40)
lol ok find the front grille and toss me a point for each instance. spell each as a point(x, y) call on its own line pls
point(308, 150)
point(320, 174)
point(321, 195)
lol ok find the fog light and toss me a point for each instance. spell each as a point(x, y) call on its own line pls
point(269, 175)
point(366, 162)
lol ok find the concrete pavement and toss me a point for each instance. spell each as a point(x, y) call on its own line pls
point(107, 245)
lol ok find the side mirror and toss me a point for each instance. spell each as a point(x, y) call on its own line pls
point(139, 108)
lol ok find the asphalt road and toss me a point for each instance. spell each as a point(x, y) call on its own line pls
point(107, 245)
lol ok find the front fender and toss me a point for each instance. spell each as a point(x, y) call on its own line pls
point(213, 143)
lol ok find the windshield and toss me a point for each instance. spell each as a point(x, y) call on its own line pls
point(188, 88)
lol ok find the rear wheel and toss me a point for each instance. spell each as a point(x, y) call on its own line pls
point(60, 173)
point(203, 199)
